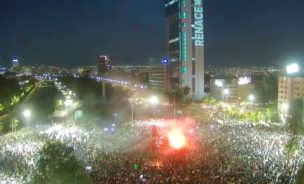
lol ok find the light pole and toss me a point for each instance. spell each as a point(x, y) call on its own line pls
point(154, 100)
point(226, 93)
point(67, 103)
point(27, 113)
point(285, 108)
point(166, 62)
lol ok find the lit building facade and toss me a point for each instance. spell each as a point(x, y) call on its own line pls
point(185, 28)
point(290, 88)
point(103, 64)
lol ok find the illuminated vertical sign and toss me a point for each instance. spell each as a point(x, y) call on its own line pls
point(198, 23)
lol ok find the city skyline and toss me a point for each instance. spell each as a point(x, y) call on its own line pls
point(66, 34)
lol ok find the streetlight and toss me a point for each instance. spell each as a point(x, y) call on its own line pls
point(292, 68)
point(251, 97)
point(226, 93)
point(154, 100)
point(27, 113)
point(67, 103)
point(285, 108)
point(166, 62)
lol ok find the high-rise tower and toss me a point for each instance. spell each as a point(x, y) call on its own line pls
point(185, 26)
point(103, 64)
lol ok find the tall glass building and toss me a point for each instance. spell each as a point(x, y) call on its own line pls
point(185, 28)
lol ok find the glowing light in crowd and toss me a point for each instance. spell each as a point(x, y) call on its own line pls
point(177, 139)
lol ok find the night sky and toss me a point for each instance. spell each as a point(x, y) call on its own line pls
point(74, 32)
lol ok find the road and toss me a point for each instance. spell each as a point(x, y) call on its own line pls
point(40, 101)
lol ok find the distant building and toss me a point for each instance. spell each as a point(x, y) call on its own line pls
point(2, 70)
point(92, 70)
point(54, 70)
point(230, 90)
point(158, 78)
point(103, 64)
point(40, 70)
point(14, 63)
point(290, 88)
point(185, 41)
point(27, 70)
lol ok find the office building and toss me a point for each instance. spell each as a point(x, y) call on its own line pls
point(103, 64)
point(290, 88)
point(185, 38)
point(157, 78)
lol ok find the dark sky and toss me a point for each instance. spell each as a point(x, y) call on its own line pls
point(75, 32)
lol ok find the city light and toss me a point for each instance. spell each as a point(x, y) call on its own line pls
point(219, 83)
point(226, 91)
point(68, 102)
point(153, 100)
point(27, 113)
point(244, 80)
point(165, 61)
point(285, 106)
point(292, 68)
point(251, 97)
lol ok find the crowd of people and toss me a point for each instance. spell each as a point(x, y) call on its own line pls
point(223, 153)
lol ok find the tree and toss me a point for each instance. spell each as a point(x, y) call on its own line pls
point(58, 164)
point(295, 117)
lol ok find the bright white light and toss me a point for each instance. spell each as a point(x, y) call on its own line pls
point(251, 97)
point(292, 68)
point(285, 106)
point(27, 113)
point(244, 80)
point(88, 168)
point(226, 91)
point(68, 102)
point(153, 100)
point(219, 83)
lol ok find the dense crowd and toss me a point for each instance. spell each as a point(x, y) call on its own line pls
point(222, 154)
